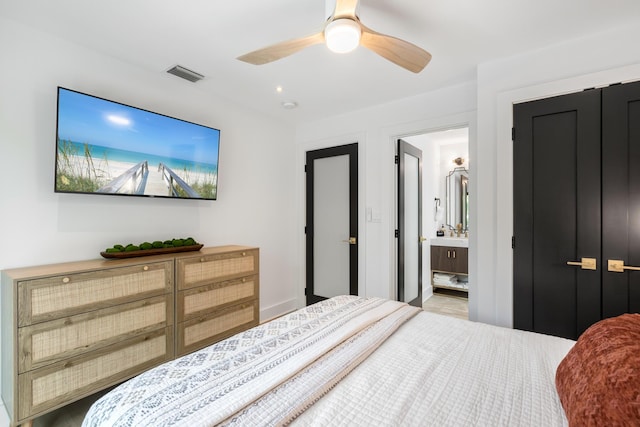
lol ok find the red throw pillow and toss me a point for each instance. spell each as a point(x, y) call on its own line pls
point(598, 381)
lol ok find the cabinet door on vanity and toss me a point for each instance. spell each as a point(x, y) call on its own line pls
point(218, 296)
point(450, 259)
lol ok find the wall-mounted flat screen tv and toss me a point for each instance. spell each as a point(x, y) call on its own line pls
point(104, 147)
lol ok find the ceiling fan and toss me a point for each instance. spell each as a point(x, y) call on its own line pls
point(342, 33)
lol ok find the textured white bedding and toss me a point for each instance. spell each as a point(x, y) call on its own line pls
point(430, 371)
point(441, 371)
point(215, 385)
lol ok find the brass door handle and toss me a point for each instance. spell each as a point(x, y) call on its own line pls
point(617, 266)
point(351, 241)
point(584, 263)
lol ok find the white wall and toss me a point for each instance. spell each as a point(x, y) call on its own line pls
point(255, 201)
point(575, 65)
point(376, 129)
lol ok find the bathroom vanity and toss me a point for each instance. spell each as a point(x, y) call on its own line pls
point(450, 263)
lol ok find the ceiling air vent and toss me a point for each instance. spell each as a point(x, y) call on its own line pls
point(186, 74)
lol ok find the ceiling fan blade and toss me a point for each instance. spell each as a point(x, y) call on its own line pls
point(345, 8)
point(400, 52)
point(281, 50)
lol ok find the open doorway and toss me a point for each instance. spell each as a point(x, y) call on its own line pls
point(445, 221)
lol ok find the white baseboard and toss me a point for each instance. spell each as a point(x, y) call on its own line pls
point(427, 292)
point(278, 310)
point(4, 416)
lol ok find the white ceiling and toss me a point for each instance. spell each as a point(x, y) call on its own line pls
point(207, 35)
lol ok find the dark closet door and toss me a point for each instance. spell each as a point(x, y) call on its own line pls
point(621, 197)
point(557, 200)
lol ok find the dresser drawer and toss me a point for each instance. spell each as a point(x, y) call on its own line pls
point(208, 329)
point(62, 382)
point(56, 340)
point(204, 269)
point(198, 301)
point(54, 297)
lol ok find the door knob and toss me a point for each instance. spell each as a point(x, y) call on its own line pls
point(422, 239)
point(351, 241)
point(617, 266)
point(585, 263)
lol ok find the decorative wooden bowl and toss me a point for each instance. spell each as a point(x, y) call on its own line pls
point(155, 251)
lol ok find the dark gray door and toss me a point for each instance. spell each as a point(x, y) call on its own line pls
point(576, 209)
point(409, 224)
point(557, 214)
point(332, 222)
point(621, 198)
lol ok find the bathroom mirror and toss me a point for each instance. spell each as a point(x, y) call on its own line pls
point(457, 187)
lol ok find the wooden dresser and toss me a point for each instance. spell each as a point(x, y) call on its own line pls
point(217, 296)
point(72, 329)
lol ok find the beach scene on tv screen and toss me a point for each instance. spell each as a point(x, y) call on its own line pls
point(111, 148)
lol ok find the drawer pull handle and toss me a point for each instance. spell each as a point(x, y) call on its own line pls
point(67, 322)
point(202, 259)
point(244, 279)
point(448, 254)
point(67, 365)
point(66, 280)
point(145, 268)
point(244, 253)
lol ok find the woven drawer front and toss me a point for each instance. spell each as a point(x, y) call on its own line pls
point(49, 342)
point(194, 302)
point(47, 387)
point(60, 296)
point(206, 330)
point(217, 267)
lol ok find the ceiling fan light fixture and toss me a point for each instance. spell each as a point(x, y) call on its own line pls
point(342, 35)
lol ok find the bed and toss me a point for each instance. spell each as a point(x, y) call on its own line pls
point(354, 361)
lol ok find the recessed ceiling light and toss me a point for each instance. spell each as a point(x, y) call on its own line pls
point(279, 89)
point(289, 105)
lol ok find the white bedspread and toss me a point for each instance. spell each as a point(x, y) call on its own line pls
point(441, 371)
point(290, 356)
point(351, 361)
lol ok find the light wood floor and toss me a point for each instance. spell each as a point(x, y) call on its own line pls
point(453, 303)
point(448, 304)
